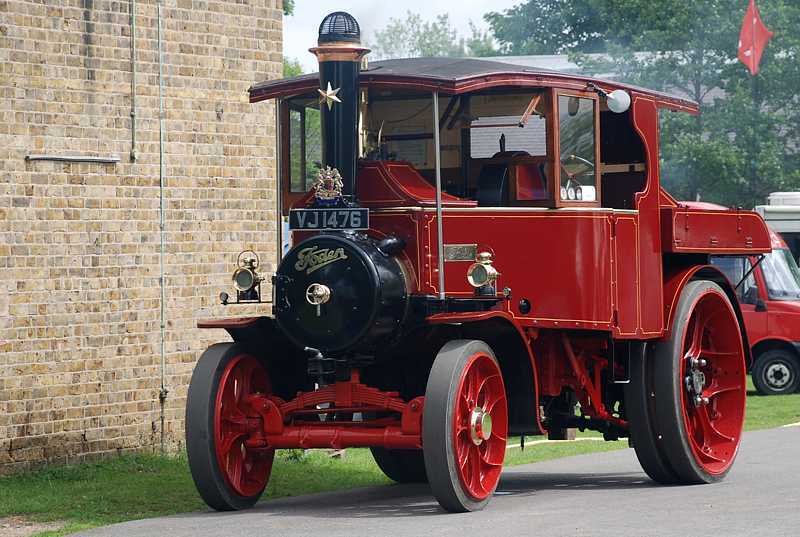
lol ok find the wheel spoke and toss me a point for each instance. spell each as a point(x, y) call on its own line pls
point(710, 432)
point(696, 341)
point(717, 356)
point(463, 400)
point(244, 378)
point(473, 386)
point(704, 451)
point(715, 390)
point(485, 381)
point(235, 467)
point(477, 479)
point(491, 404)
point(228, 440)
point(489, 453)
point(463, 457)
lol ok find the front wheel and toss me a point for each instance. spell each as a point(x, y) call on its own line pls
point(464, 425)
point(228, 474)
point(776, 372)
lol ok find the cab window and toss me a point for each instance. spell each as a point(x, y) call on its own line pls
point(305, 144)
point(578, 148)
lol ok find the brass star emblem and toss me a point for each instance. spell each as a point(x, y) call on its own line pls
point(329, 96)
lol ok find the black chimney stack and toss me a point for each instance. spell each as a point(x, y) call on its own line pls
point(339, 52)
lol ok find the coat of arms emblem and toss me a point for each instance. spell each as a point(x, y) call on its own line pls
point(328, 187)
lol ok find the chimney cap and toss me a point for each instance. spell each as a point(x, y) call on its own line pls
point(339, 27)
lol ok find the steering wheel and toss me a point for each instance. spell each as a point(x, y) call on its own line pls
point(570, 158)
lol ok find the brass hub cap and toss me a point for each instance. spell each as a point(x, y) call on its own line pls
point(480, 426)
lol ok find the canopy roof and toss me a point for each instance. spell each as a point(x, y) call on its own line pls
point(458, 75)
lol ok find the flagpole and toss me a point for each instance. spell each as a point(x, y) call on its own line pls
point(753, 26)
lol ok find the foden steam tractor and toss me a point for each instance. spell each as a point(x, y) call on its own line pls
point(480, 251)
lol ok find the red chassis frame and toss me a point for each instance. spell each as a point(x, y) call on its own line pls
point(278, 429)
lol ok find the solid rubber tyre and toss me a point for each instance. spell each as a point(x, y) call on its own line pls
point(764, 374)
point(678, 421)
point(201, 447)
point(640, 410)
point(401, 465)
point(469, 485)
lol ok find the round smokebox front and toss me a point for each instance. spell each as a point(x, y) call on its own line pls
point(327, 293)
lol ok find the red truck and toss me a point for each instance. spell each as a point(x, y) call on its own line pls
point(769, 294)
point(480, 245)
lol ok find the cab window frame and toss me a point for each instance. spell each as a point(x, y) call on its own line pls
point(558, 202)
point(289, 196)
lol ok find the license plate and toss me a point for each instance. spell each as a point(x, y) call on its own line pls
point(322, 219)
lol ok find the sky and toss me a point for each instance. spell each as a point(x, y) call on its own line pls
point(300, 29)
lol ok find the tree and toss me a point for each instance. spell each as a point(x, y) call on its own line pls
point(551, 27)
point(414, 37)
point(288, 7)
point(745, 142)
point(291, 67)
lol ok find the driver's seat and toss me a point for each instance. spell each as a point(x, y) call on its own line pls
point(493, 185)
point(493, 181)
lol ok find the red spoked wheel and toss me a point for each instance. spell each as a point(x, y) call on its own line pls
point(229, 473)
point(713, 372)
point(246, 470)
point(465, 425)
point(685, 402)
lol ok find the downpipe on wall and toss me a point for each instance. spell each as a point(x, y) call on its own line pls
point(133, 81)
point(162, 394)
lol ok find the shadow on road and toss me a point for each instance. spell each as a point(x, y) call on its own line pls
point(524, 483)
point(417, 501)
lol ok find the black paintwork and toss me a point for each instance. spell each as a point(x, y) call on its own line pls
point(369, 297)
point(340, 121)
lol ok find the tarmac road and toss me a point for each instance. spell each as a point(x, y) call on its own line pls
point(589, 495)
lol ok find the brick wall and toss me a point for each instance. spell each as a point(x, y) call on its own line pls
point(80, 308)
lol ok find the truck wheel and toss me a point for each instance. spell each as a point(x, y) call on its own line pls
point(227, 473)
point(640, 412)
point(401, 465)
point(699, 386)
point(776, 372)
point(464, 425)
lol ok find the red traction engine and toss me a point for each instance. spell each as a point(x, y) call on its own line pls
point(480, 251)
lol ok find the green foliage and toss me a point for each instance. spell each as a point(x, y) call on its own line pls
point(414, 37)
point(291, 67)
point(550, 27)
point(288, 7)
point(745, 142)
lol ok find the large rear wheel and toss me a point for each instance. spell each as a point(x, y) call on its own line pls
point(228, 474)
point(401, 465)
point(640, 411)
point(464, 425)
point(686, 424)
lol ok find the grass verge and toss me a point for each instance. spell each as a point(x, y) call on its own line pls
point(143, 486)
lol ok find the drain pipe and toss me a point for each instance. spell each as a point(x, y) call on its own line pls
point(133, 80)
point(162, 394)
point(278, 182)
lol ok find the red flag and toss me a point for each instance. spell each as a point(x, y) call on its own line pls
point(753, 38)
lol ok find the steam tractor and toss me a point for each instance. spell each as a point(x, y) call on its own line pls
point(480, 251)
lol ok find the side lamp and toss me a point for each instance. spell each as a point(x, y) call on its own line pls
point(245, 279)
